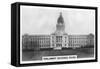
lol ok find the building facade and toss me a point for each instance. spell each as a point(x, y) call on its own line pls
point(36, 41)
point(57, 40)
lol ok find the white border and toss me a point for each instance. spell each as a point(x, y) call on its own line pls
point(44, 61)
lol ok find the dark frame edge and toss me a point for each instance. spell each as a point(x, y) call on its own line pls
point(14, 44)
point(96, 33)
point(55, 5)
point(57, 63)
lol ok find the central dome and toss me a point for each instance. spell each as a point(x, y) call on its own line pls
point(60, 19)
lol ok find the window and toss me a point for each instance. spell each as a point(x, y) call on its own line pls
point(58, 45)
point(58, 38)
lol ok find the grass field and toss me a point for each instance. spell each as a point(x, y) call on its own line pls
point(37, 55)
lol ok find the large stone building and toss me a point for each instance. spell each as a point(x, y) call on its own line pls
point(57, 40)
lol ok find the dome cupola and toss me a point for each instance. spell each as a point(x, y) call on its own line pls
point(60, 19)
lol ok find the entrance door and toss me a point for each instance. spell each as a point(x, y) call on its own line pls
point(58, 42)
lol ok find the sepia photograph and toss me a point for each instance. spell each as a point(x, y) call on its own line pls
point(50, 34)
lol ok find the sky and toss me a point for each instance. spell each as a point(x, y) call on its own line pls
point(43, 20)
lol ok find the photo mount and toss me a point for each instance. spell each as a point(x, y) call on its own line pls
point(15, 33)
